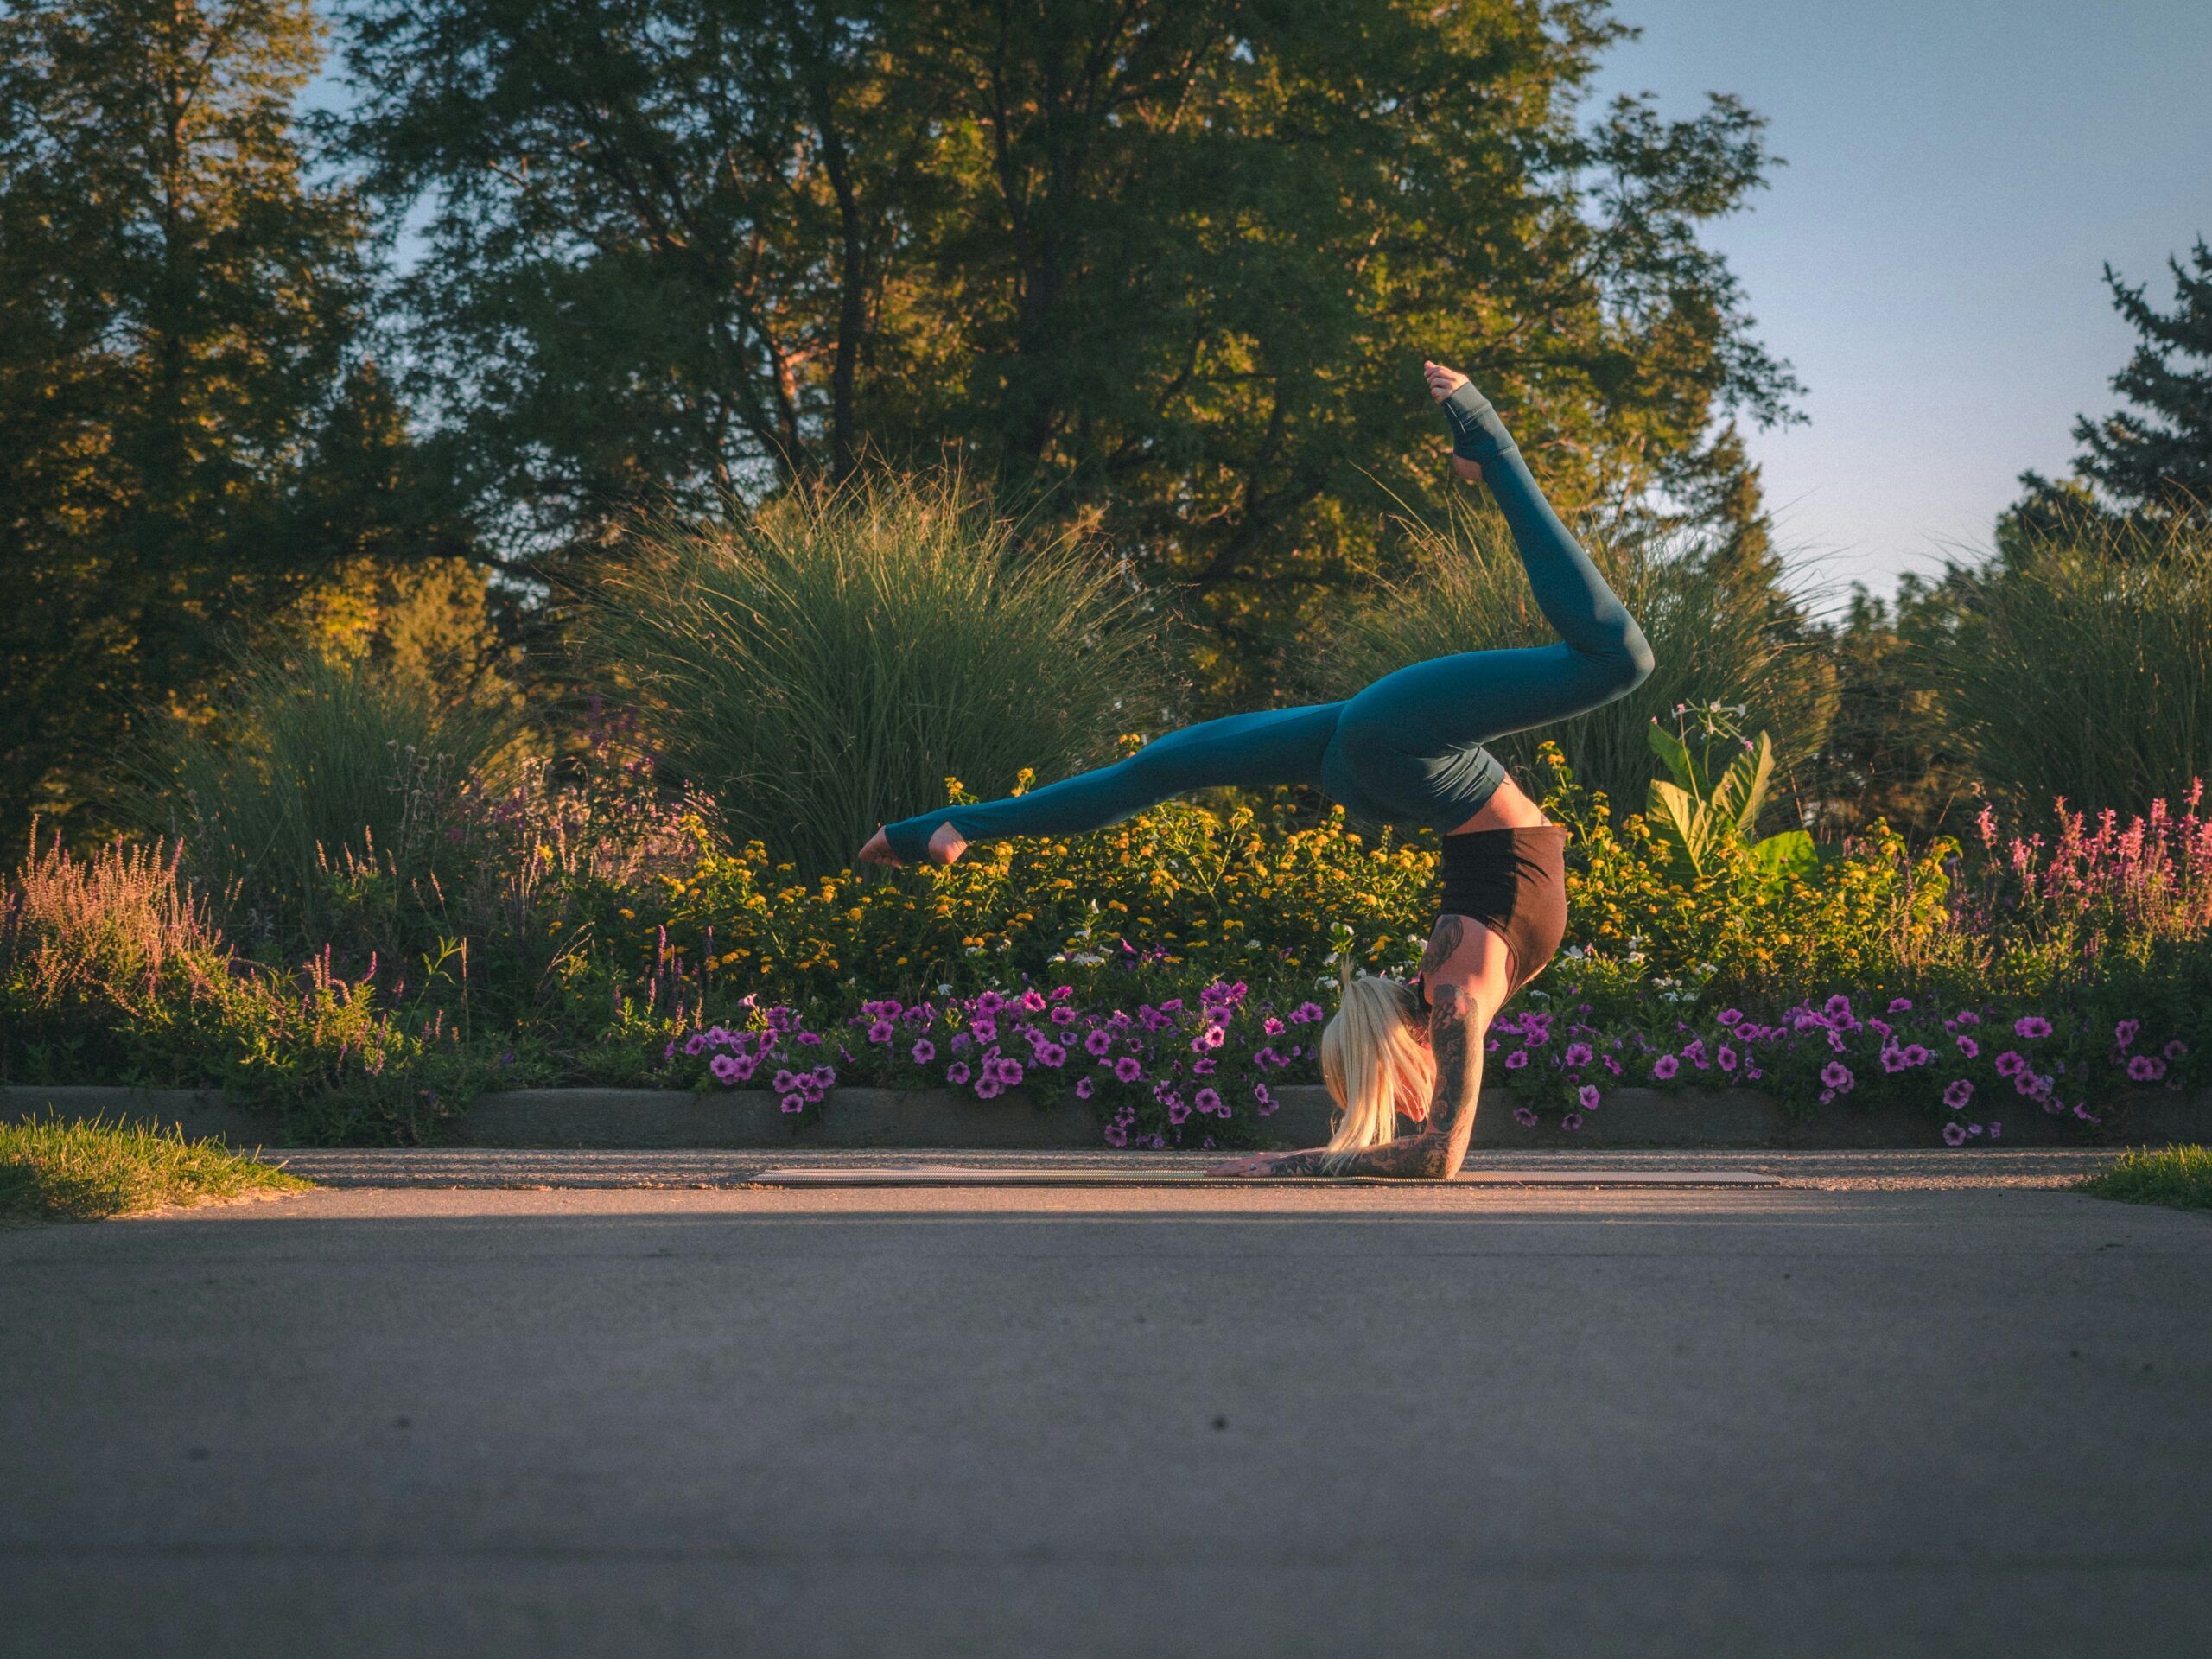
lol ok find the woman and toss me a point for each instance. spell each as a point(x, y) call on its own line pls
point(1407, 750)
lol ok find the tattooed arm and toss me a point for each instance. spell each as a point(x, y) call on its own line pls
point(1465, 972)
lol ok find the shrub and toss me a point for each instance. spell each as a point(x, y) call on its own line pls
point(2079, 669)
point(1715, 639)
point(312, 767)
point(819, 666)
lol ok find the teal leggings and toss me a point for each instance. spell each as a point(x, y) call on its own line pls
point(1407, 750)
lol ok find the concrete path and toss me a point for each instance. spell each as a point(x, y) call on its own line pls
point(1111, 1422)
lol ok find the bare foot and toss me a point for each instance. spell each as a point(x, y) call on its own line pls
point(946, 844)
point(1442, 383)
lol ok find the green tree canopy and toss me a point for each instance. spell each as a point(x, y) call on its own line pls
point(1180, 259)
point(177, 306)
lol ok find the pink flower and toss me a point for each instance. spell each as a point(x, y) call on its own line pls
point(1207, 1099)
point(1588, 1097)
point(1903, 1005)
point(784, 1083)
point(1730, 1016)
point(1837, 1076)
point(1665, 1067)
point(880, 1031)
point(1955, 1134)
point(1725, 1058)
point(1083, 1089)
point(1178, 1110)
point(2032, 1025)
point(724, 1066)
point(1516, 1060)
point(1968, 1046)
point(1958, 1093)
point(1893, 1058)
point(1577, 1053)
point(2010, 1063)
point(957, 1073)
point(1127, 1069)
point(1915, 1055)
point(1098, 1042)
point(923, 1051)
point(990, 1003)
point(1033, 1002)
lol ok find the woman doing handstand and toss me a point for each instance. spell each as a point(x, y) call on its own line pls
point(1407, 750)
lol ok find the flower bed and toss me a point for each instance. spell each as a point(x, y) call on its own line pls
point(1198, 1073)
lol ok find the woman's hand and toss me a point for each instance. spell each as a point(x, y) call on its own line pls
point(877, 850)
point(1259, 1164)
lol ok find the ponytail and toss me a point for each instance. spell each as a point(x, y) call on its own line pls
point(1374, 1063)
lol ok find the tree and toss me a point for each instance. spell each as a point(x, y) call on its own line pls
point(2154, 465)
point(1175, 260)
point(177, 308)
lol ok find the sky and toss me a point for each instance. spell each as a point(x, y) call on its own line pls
point(1929, 261)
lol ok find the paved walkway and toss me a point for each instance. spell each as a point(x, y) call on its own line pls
point(489, 1421)
point(501, 1167)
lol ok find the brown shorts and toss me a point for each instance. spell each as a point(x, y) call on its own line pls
point(1514, 882)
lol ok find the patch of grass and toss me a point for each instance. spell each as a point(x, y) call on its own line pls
point(2179, 1176)
point(55, 1170)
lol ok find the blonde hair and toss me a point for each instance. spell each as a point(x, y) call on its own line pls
point(1374, 1063)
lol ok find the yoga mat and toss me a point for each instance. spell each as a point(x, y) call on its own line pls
point(956, 1175)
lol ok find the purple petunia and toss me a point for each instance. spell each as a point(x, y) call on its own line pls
point(2032, 1025)
point(1524, 1117)
point(1958, 1093)
point(1915, 1055)
point(1968, 1046)
point(2124, 1033)
point(1902, 1005)
point(1083, 1089)
point(2147, 1068)
point(1098, 1042)
point(1516, 1060)
point(1572, 1121)
point(1837, 1076)
point(724, 1066)
point(1578, 1054)
point(1127, 1069)
point(1725, 1058)
point(880, 1031)
point(923, 1051)
point(2010, 1063)
point(1665, 1067)
point(2175, 1050)
point(1588, 1097)
point(1955, 1134)
point(957, 1073)
point(1207, 1099)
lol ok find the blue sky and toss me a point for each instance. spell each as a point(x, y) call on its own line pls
point(1959, 171)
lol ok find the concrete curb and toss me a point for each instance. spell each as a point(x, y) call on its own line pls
point(661, 1119)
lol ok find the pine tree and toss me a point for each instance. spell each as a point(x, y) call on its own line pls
point(2164, 461)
